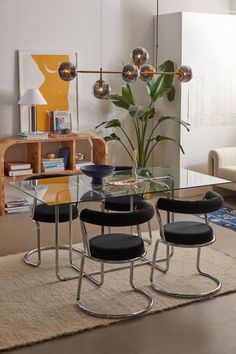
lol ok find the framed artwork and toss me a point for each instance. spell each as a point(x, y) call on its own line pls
point(39, 69)
point(61, 120)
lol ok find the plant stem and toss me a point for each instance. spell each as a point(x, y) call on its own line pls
point(129, 140)
point(150, 151)
point(126, 149)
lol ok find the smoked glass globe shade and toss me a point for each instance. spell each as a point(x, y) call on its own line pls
point(184, 73)
point(139, 56)
point(101, 89)
point(129, 73)
point(146, 72)
point(67, 71)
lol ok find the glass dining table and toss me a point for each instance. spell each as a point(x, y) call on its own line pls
point(77, 189)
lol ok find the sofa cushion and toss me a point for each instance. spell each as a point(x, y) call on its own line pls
point(227, 172)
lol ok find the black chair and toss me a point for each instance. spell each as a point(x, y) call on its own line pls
point(46, 214)
point(188, 234)
point(114, 248)
point(125, 203)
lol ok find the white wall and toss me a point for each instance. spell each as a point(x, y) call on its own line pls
point(75, 25)
point(233, 6)
point(207, 102)
point(210, 52)
point(213, 6)
point(71, 25)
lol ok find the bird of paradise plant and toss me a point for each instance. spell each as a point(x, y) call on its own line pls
point(146, 140)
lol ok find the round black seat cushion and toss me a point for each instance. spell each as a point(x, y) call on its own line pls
point(121, 203)
point(116, 247)
point(188, 233)
point(45, 213)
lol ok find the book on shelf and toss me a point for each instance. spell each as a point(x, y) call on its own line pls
point(17, 202)
point(53, 165)
point(56, 159)
point(19, 205)
point(32, 136)
point(26, 171)
point(16, 165)
point(84, 163)
point(54, 169)
point(20, 209)
point(49, 165)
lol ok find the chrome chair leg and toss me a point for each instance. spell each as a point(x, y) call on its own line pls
point(191, 295)
point(216, 280)
point(80, 277)
point(150, 231)
point(149, 238)
point(154, 260)
point(70, 235)
point(37, 250)
point(103, 209)
point(115, 316)
point(57, 247)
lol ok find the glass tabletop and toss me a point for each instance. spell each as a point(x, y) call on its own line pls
point(78, 188)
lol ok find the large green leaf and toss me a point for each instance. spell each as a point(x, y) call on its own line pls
point(141, 113)
point(160, 138)
point(136, 111)
point(161, 85)
point(119, 101)
point(171, 94)
point(127, 94)
point(150, 113)
point(111, 137)
point(178, 120)
point(113, 123)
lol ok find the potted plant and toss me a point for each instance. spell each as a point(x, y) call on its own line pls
point(145, 140)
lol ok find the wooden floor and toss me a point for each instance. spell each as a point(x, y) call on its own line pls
point(207, 327)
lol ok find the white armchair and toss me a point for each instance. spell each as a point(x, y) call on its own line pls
point(222, 164)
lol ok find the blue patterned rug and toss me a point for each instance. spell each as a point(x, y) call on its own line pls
point(225, 217)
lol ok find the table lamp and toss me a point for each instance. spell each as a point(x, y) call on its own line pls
point(32, 98)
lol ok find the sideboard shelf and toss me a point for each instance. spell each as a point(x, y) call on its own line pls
point(34, 155)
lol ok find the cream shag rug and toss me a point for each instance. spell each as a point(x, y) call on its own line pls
point(35, 307)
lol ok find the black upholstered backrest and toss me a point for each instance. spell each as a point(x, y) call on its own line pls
point(211, 202)
point(123, 168)
point(143, 212)
point(54, 175)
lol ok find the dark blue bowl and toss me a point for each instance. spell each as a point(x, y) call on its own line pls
point(97, 172)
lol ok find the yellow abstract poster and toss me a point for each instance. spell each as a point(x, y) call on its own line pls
point(54, 90)
point(39, 69)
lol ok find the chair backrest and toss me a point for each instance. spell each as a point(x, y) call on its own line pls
point(123, 168)
point(211, 202)
point(143, 212)
point(54, 175)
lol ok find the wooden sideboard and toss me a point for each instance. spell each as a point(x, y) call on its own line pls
point(34, 154)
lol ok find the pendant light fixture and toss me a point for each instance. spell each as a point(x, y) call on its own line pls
point(130, 72)
point(101, 88)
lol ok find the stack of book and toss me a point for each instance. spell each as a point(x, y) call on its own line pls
point(53, 165)
point(18, 168)
point(32, 136)
point(82, 163)
point(17, 206)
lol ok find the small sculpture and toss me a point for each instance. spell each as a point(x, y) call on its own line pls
point(135, 165)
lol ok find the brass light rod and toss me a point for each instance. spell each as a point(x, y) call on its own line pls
point(120, 72)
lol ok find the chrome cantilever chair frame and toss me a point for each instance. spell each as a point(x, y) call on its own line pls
point(87, 254)
point(198, 246)
point(127, 205)
point(55, 247)
point(132, 206)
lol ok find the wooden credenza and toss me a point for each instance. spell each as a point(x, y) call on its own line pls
point(34, 154)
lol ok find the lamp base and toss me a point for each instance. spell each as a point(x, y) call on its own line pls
point(33, 120)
